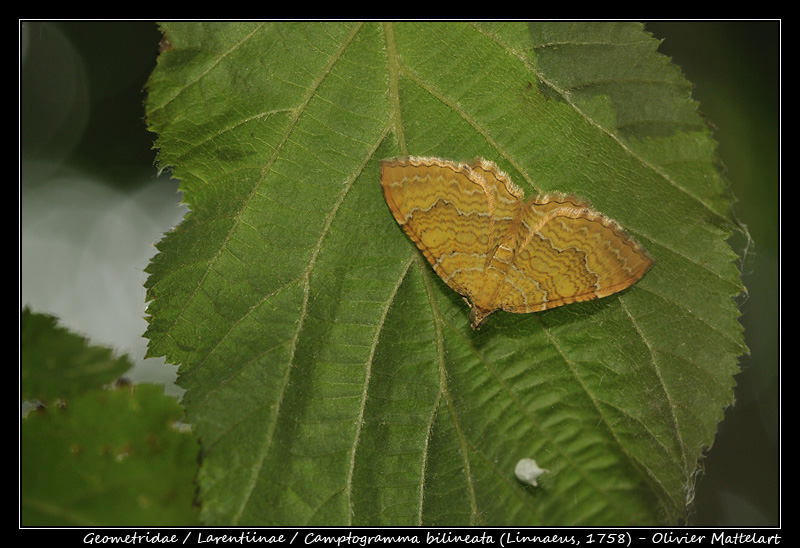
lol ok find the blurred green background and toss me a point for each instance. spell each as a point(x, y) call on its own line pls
point(92, 203)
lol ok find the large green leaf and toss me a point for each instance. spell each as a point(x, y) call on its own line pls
point(333, 378)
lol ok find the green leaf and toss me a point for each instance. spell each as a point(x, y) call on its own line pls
point(100, 457)
point(332, 377)
point(110, 457)
point(57, 364)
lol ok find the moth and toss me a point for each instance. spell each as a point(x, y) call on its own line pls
point(501, 252)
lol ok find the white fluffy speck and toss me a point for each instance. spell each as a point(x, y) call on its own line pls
point(527, 471)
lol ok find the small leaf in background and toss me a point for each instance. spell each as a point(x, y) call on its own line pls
point(100, 457)
point(333, 377)
point(55, 363)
